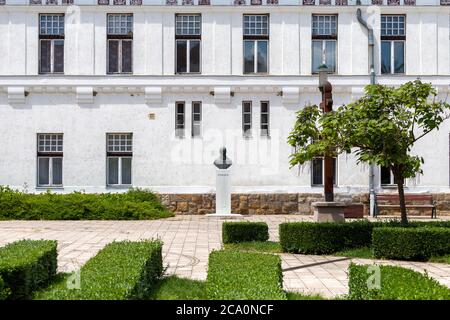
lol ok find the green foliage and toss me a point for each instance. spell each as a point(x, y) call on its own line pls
point(235, 275)
point(441, 259)
point(175, 288)
point(233, 232)
point(363, 252)
point(4, 291)
point(132, 205)
point(26, 265)
point(396, 283)
point(255, 246)
point(381, 128)
point(324, 238)
point(410, 243)
point(120, 271)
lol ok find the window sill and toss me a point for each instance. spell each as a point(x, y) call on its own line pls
point(119, 186)
point(389, 186)
point(50, 188)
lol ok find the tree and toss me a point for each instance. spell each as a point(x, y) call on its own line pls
point(380, 128)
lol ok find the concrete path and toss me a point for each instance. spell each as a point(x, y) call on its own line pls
point(187, 243)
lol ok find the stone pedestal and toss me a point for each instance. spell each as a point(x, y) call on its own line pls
point(223, 195)
point(329, 211)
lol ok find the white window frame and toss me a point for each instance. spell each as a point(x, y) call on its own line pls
point(119, 56)
point(267, 134)
point(180, 132)
point(196, 123)
point(50, 171)
point(119, 173)
point(324, 55)
point(392, 45)
point(392, 180)
point(255, 56)
point(247, 133)
point(323, 172)
point(188, 56)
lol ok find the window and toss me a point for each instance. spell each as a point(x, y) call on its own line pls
point(187, 43)
point(120, 43)
point(324, 38)
point(119, 154)
point(264, 118)
point(393, 36)
point(386, 176)
point(49, 159)
point(179, 119)
point(196, 119)
point(247, 118)
point(318, 171)
point(51, 43)
point(256, 43)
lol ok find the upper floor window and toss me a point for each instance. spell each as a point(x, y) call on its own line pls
point(256, 43)
point(188, 33)
point(119, 155)
point(393, 36)
point(120, 43)
point(51, 43)
point(324, 39)
point(49, 159)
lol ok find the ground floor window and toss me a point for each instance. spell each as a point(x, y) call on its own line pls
point(119, 159)
point(318, 171)
point(49, 159)
point(386, 176)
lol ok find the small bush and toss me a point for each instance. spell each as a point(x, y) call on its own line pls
point(4, 291)
point(419, 243)
point(396, 283)
point(134, 204)
point(324, 238)
point(26, 265)
point(120, 271)
point(236, 275)
point(234, 232)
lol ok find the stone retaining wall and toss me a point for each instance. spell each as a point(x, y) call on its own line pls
point(279, 203)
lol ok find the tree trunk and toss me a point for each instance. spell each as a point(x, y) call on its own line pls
point(401, 194)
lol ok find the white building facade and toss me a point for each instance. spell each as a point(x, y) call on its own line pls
point(100, 96)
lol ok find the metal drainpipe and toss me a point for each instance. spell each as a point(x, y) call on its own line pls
point(372, 199)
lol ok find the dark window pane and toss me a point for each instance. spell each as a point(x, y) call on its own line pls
point(264, 118)
point(127, 54)
point(385, 175)
point(181, 50)
point(113, 170)
point(194, 56)
point(399, 57)
point(317, 171)
point(43, 171)
point(317, 55)
point(385, 57)
point(113, 56)
point(126, 170)
point(57, 171)
point(249, 56)
point(58, 63)
point(262, 56)
point(330, 55)
point(45, 61)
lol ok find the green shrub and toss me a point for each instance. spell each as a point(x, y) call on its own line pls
point(410, 243)
point(396, 283)
point(131, 205)
point(26, 265)
point(120, 271)
point(4, 291)
point(324, 238)
point(236, 275)
point(234, 232)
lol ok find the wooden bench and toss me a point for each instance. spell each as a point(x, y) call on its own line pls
point(413, 201)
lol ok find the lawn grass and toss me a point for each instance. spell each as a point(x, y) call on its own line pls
point(442, 259)
point(255, 246)
point(364, 252)
point(301, 296)
point(175, 288)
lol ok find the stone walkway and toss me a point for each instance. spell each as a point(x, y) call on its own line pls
point(187, 243)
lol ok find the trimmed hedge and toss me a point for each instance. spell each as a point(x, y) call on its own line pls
point(26, 265)
point(134, 204)
point(324, 238)
point(4, 291)
point(234, 232)
point(235, 275)
point(410, 243)
point(120, 271)
point(396, 283)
